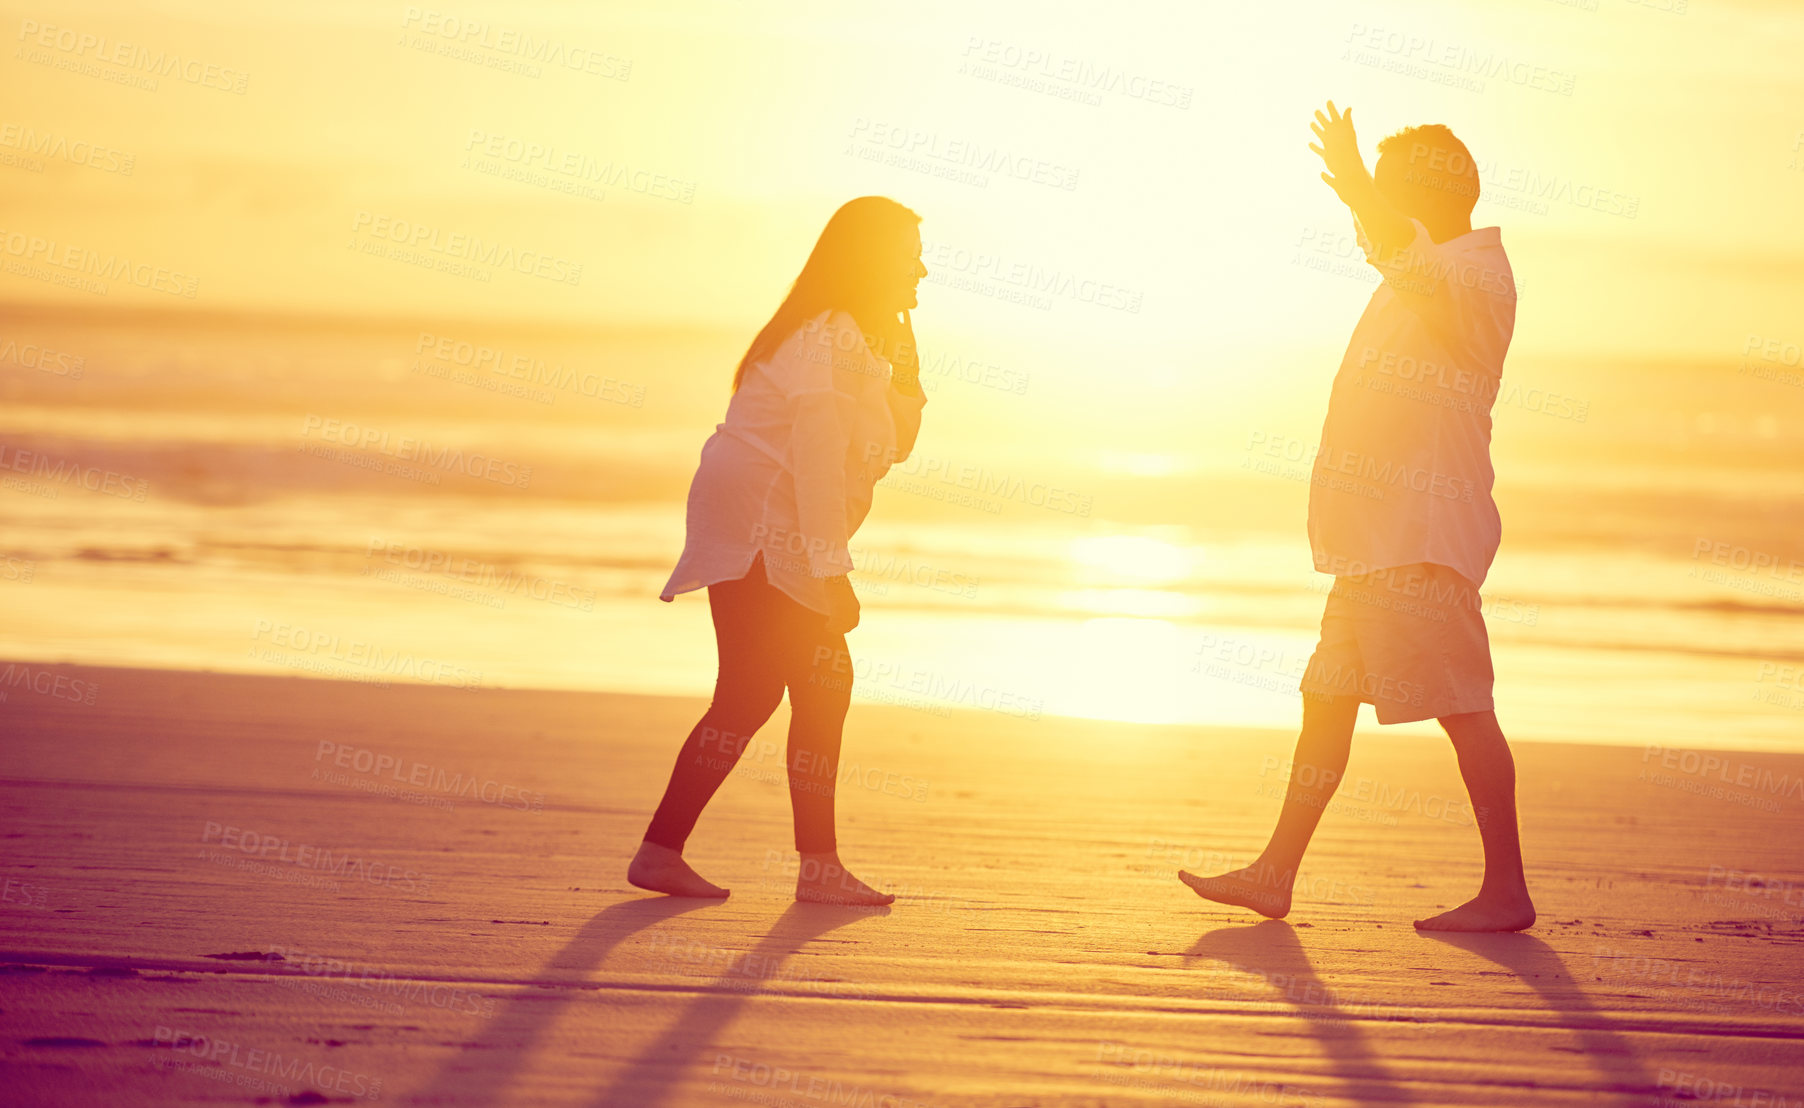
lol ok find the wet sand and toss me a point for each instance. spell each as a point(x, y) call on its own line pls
point(229, 889)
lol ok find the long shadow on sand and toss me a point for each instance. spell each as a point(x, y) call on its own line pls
point(645, 1082)
point(1270, 950)
point(1541, 969)
point(484, 1071)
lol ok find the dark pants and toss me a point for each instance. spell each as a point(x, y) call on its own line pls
point(767, 642)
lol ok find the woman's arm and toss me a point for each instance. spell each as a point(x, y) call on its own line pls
point(818, 446)
point(905, 395)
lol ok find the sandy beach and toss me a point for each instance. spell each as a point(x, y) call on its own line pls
point(233, 889)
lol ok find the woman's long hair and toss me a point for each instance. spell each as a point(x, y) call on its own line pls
point(847, 271)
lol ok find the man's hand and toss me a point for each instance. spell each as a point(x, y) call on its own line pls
point(1339, 151)
point(842, 604)
point(1388, 229)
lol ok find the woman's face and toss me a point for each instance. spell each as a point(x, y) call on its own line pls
point(908, 271)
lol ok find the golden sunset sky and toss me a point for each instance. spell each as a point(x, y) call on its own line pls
point(1645, 164)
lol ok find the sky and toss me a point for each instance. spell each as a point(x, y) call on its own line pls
point(668, 166)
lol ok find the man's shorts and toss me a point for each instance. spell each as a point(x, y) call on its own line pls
point(1409, 640)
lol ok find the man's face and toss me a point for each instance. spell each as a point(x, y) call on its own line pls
point(1391, 176)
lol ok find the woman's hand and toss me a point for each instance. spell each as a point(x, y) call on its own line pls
point(842, 606)
point(905, 358)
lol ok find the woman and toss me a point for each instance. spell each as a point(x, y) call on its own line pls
point(825, 400)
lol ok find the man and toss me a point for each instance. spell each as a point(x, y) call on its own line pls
point(1400, 511)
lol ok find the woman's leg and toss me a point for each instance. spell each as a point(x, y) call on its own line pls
point(820, 692)
point(753, 623)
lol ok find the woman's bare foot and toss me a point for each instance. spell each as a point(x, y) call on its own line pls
point(822, 880)
point(1512, 911)
point(1257, 886)
point(662, 870)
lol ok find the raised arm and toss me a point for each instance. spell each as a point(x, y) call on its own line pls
point(1387, 228)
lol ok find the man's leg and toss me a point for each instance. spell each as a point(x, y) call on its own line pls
point(1502, 903)
point(1320, 762)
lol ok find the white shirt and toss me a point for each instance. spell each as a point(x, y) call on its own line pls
point(811, 429)
point(1403, 473)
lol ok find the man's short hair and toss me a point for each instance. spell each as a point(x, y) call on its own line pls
point(1434, 167)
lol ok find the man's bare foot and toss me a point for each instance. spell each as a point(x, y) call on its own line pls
point(1485, 912)
point(1257, 887)
point(662, 870)
point(821, 879)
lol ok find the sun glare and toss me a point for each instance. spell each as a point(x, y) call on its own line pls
point(1133, 559)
